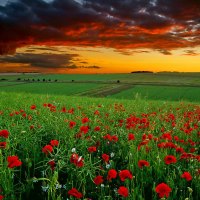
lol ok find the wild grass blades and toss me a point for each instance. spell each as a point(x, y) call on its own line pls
point(57, 147)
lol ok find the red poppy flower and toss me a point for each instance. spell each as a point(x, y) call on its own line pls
point(92, 149)
point(84, 129)
point(4, 133)
point(85, 120)
point(131, 136)
point(72, 124)
point(75, 193)
point(112, 173)
point(97, 128)
point(1, 197)
point(179, 150)
point(107, 137)
point(33, 107)
point(187, 176)
point(142, 163)
point(13, 161)
point(64, 110)
point(2, 145)
point(124, 174)
point(163, 190)
point(71, 111)
point(150, 136)
point(105, 157)
point(52, 164)
point(76, 160)
point(96, 112)
point(31, 127)
point(166, 136)
point(123, 191)
point(114, 138)
point(54, 143)
point(98, 180)
point(170, 159)
point(47, 149)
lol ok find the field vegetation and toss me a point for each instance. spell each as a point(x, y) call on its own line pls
point(59, 147)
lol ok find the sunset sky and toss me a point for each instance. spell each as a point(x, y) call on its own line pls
point(99, 36)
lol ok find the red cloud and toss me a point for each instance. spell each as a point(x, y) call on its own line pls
point(163, 26)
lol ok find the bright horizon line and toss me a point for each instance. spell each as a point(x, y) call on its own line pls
point(134, 72)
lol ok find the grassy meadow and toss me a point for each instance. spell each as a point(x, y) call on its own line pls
point(59, 141)
point(162, 86)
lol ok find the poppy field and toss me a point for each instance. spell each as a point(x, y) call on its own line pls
point(59, 147)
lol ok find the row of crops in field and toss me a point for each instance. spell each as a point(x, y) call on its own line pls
point(118, 91)
point(167, 78)
point(160, 93)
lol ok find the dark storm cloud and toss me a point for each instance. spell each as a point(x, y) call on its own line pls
point(161, 25)
point(40, 60)
point(46, 61)
point(191, 53)
point(82, 67)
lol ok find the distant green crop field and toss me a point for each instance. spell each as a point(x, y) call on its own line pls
point(156, 78)
point(160, 93)
point(166, 78)
point(51, 88)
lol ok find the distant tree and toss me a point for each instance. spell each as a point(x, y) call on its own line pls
point(43, 79)
point(56, 80)
point(49, 80)
point(3, 79)
point(33, 79)
point(38, 79)
point(19, 79)
point(72, 80)
point(118, 81)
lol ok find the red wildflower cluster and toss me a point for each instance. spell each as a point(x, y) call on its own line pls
point(72, 124)
point(170, 159)
point(131, 136)
point(84, 129)
point(142, 163)
point(47, 149)
point(52, 164)
point(124, 174)
point(98, 180)
point(2, 145)
point(163, 190)
point(123, 191)
point(92, 149)
point(75, 193)
point(105, 157)
point(13, 161)
point(33, 107)
point(4, 133)
point(54, 143)
point(76, 160)
point(111, 138)
point(112, 174)
point(85, 120)
point(187, 176)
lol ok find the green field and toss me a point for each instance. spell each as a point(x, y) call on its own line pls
point(63, 142)
point(165, 78)
point(59, 147)
point(50, 88)
point(162, 86)
point(160, 93)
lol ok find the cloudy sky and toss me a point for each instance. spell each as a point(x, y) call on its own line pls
point(99, 36)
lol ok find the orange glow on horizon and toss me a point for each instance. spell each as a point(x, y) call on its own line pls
point(110, 61)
